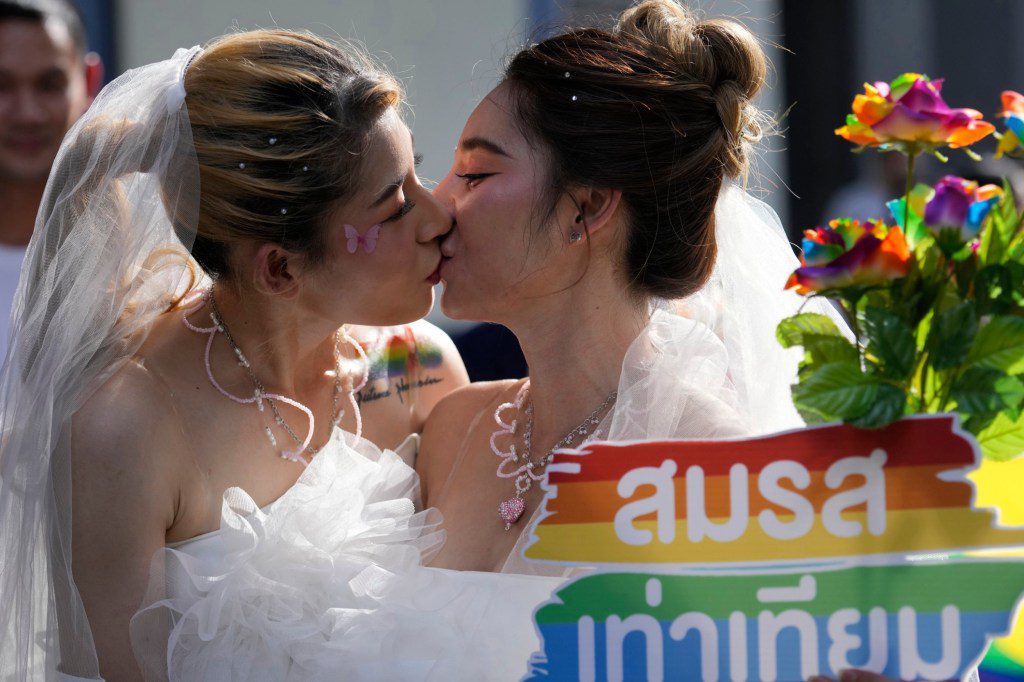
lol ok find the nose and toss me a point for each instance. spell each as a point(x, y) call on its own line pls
point(27, 108)
point(443, 192)
point(437, 220)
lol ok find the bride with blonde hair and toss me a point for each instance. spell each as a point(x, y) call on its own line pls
point(220, 296)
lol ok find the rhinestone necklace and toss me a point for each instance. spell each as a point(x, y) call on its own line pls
point(303, 453)
point(521, 466)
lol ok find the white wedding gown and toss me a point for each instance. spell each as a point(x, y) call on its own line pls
point(327, 583)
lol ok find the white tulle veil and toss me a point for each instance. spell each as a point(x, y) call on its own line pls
point(108, 255)
point(709, 365)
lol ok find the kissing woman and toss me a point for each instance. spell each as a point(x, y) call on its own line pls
point(593, 208)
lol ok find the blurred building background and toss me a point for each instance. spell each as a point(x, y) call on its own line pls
point(449, 54)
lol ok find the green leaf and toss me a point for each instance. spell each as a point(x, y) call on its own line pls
point(1003, 438)
point(1011, 390)
point(975, 391)
point(1000, 345)
point(1015, 252)
point(998, 229)
point(821, 350)
point(889, 405)
point(890, 340)
point(952, 334)
point(811, 416)
point(792, 330)
point(837, 390)
point(995, 288)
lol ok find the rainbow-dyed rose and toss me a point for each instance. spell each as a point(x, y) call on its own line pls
point(953, 204)
point(1013, 114)
point(850, 253)
point(911, 111)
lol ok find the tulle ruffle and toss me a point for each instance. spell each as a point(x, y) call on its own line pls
point(328, 584)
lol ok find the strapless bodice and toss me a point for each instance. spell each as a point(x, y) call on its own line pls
point(206, 547)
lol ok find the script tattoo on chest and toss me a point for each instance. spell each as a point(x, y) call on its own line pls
point(399, 366)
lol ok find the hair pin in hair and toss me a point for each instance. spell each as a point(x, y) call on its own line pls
point(567, 74)
point(284, 211)
point(574, 98)
point(272, 141)
point(241, 166)
point(305, 169)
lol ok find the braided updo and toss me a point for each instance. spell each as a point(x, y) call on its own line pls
point(658, 107)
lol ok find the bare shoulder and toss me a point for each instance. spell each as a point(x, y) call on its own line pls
point(128, 433)
point(451, 421)
point(419, 361)
point(441, 357)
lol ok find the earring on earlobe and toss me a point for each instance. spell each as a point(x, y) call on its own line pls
point(575, 235)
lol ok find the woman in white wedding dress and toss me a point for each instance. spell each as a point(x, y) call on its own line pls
point(136, 394)
point(596, 217)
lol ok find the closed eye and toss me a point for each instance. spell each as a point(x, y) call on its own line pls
point(473, 179)
point(402, 212)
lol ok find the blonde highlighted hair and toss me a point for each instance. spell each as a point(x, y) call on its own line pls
point(280, 123)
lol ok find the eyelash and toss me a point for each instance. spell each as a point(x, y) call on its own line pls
point(402, 212)
point(471, 178)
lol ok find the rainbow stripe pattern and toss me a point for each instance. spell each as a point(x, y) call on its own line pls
point(925, 621)
point(402, 355)
point(838, 492)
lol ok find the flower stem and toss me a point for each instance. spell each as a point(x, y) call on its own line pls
point(911, 158)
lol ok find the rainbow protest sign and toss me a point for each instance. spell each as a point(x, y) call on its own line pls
point(773, 558)
point(908, 622)
point(818, 493)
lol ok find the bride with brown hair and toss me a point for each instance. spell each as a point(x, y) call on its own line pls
point(598, 214)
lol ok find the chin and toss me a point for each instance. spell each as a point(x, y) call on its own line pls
point(27, 170)
point(415, 308)
point(451, 307)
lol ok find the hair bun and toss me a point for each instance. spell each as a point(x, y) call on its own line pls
point(714, 50)
point(720, 55)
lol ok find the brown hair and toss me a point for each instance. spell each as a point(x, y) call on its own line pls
point(658, 107)
point(280, 122)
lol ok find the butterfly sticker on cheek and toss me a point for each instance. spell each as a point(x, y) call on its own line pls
point(368, 241)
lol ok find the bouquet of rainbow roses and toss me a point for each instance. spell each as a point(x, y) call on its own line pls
point(935, 297)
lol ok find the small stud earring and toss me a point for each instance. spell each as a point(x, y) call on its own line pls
point(574, 237)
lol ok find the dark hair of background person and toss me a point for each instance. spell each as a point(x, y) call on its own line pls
point(48, 10)
point(658, 107)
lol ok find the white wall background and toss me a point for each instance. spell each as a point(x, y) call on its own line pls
point(447, 52)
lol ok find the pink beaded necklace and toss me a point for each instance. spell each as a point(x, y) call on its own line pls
point(520, 465)
point(261, 396)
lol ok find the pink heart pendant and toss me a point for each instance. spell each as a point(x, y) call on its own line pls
point(510, 510)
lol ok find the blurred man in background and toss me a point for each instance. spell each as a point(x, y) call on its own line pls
point(47, 80)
